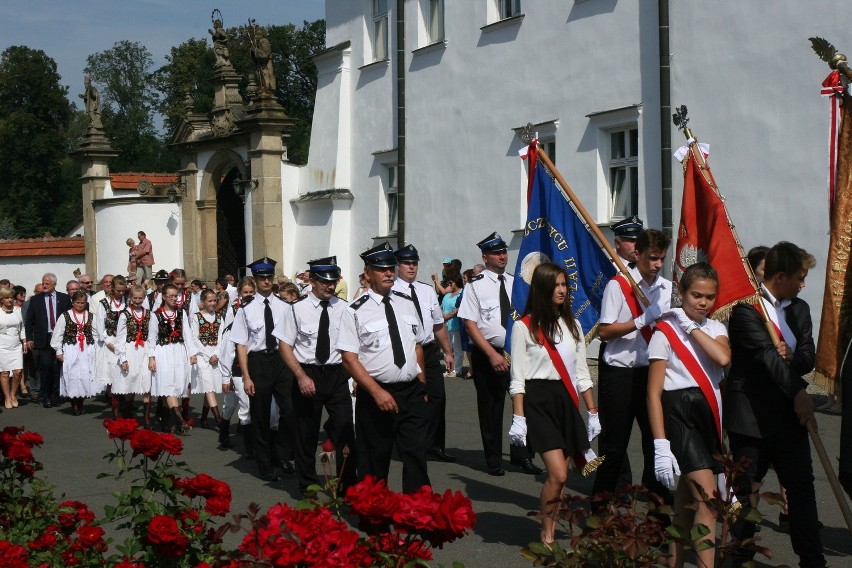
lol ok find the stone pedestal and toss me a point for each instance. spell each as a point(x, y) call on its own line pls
point(268, 126)
point(93, 154)
point(227, 101)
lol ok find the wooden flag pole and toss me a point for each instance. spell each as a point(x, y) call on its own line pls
point(545, 159)
point(836, 488)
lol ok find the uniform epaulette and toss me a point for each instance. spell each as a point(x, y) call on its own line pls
point(479, 276)
point(425, 283)
point(246, 301)
point(359, 302)
point(297, 300)
point(401, 295)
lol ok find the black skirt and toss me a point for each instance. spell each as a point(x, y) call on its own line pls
point(553, 422)
point(691, 430)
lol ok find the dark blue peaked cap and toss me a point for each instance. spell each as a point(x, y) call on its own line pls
point(380, 256)
point(263, 267)
point(629, 227)
point(325, 268)
point(492, 243)
point(408, 253)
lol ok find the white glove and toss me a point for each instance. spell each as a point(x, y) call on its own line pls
point(665, 464)
point(722, 483)
point(652, 313)
point(684, 321)
point(518, 431)
point(594, 425)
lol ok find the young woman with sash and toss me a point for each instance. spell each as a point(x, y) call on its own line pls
point(688, 353)
point(132, 352)
point(549, 375)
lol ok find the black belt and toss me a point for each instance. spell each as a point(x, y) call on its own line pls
point(264, 352)
point(398, 386)
point(322, 368)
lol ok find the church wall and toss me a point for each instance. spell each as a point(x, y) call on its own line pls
point(27, 271)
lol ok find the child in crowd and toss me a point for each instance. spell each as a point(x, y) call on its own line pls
point(74, 342)
point(132, 353)
point(204, 348)
point(107, 313)
point(232, 377)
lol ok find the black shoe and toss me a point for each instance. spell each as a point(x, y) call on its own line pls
point(47, 404)
point(269, 477)
point(287, 467)
point(497, 471)
point(527, 466)
point(442, 455)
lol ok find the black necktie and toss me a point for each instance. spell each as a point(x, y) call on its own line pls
point(271, 342)
point(323, 341)
point(416, 302)
point(505, 306)
point(396, 341)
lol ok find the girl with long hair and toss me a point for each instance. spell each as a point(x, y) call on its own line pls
point(549, 375)
point(73, 340)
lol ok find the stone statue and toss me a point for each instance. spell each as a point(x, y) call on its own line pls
point(220, 42)
point(92, 99)
point(261, 54)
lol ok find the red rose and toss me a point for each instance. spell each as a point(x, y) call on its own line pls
point(372, 500)
point(91, 537)
point(18, 451)
point(171, 444)
point(31, 438)
point(13, 555)
point(128, 563)
point(73, 512)
point(218, 506)
point(25, 470)
point(417, 511)
point(147, 443)
point(121, 428)
point(189, 519)
point(162, 529)
point(45, 540)
point(456, 513)
point(328, 446)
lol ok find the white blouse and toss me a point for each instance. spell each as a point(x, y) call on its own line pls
point(531, 361)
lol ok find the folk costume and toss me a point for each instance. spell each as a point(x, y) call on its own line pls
point(623, 380)
point(106, 311)
point(384, 331)
point(206, 341)
point(166, 343)
point(236, 398)
point(74, 339)
point(132, 348)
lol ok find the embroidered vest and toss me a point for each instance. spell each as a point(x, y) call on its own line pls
point(165, 334)
point(133, 328)
point(70, 335)
point(110, 318)
point(208, 331)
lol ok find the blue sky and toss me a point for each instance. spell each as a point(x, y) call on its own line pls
point(71, 30)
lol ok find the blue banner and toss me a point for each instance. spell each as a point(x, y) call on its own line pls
point(554, 232)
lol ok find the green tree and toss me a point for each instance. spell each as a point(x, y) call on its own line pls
point(189, 69)
point(129, 99)
point(34, 117)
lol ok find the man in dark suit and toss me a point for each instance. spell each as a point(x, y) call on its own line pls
point(44, 310)
point(767, 405)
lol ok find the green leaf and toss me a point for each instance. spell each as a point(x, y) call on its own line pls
point(753, 516)
point(699, 531)
point(705, 544)
point(539, 548)
point(593, 522)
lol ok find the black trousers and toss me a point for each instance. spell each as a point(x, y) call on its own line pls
point(491, 389)
point(845, 470)
point(377, 431)
point(49, 370)
point(271, 380)
point(789, 452)
point(332, 393)
point(437, 435)
point(622, 398)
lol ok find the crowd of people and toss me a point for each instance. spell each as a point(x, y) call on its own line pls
point(279, 352)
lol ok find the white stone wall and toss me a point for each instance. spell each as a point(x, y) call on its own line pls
point(747, 74)
point(27, 271)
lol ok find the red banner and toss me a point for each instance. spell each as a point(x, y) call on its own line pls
point(706, 234)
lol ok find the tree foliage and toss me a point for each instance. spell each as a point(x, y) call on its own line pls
point(35, 115)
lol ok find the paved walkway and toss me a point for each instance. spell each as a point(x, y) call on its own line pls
point(74, 447)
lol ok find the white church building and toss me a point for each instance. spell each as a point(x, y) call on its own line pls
point(418, 116)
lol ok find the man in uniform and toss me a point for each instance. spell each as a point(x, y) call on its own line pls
point(432, 317)
point(486, 309)
point(626, 232)
point(264, 374)
point(307, 334)
point(380, 340)
point(626, 326)
point(767, 406)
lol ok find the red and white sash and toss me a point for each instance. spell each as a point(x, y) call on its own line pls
point(695, 369)
point(559, 364)
point(633, 304)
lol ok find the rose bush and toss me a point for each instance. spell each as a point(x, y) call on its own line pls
point(171, 514)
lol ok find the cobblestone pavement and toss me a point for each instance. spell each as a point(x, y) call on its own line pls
point(74, 447)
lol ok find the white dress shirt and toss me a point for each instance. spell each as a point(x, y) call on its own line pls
point(532, 361)
point(248, 328)
point(481, 304)
point(429, 305)
point(300, 325)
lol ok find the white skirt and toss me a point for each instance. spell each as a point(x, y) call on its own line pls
point(137, 378)
point(172, 376)
point(11, 353)
point(205, 377)
point(106, 364)
point(77, 379)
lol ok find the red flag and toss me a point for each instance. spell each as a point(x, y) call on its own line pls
point(706, 234)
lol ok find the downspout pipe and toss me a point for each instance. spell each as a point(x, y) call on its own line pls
point(665, 115)
point(400, 120)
